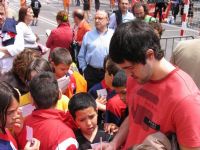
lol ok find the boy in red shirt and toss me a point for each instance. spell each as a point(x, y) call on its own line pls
point(46, 120)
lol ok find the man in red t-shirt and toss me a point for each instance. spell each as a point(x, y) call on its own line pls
point(160, 97)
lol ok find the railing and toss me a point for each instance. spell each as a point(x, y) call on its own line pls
point(169, 43)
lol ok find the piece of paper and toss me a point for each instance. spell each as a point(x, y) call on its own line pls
point(27, 109)
point(102, 93)
point(48, 32)
point(29, 133)
point(63, 83)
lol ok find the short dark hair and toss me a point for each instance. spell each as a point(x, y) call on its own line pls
point(81, 101)
point(120, 79)
point(61, 56)
point(111, 67)
point(78, 15)
point(7, 94)
point(131, 40)
point(38, 65)
point(137, 5)
point(44, 90)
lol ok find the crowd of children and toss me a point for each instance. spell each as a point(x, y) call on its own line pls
point(47, 104)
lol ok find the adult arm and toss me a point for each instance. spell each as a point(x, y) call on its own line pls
point(82, 54)
point(122, 134)
point(112, 21)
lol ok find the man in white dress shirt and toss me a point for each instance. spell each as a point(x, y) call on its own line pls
point(120, 16)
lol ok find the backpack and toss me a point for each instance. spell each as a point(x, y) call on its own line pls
point(118, 16)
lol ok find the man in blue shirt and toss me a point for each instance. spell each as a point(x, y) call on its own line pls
point(94, 48)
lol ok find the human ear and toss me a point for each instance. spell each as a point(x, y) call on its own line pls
point(149, 54)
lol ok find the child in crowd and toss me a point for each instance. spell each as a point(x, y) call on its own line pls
point(83, 108)
point(37, 66)
point(104, 89)
point(46, 120)
point(116, 108)
point(61, 61)
point(10, 117)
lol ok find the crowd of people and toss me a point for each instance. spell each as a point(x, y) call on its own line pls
point(105, 88)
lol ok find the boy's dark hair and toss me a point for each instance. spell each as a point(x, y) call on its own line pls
point(44, 90)
point(7, 95)
point(131, 40)
point(79, 15)
point(81, 101)
point(61, 56)
point(111, 67)
point(119, 79)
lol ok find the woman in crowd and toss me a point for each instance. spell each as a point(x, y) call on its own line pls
point(62, 35)
point(16, 76)
point(25, 38)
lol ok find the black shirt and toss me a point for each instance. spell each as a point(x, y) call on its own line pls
point(85, 144)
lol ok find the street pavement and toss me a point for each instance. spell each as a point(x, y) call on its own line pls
point(47, 20)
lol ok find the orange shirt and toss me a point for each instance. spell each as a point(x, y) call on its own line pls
point(84, 27)
point(77, 84)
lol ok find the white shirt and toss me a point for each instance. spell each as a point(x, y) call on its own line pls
point(25, 38)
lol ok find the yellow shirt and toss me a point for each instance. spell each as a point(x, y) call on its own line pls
point(27, 107)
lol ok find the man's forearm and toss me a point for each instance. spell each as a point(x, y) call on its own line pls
point(121, 136)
